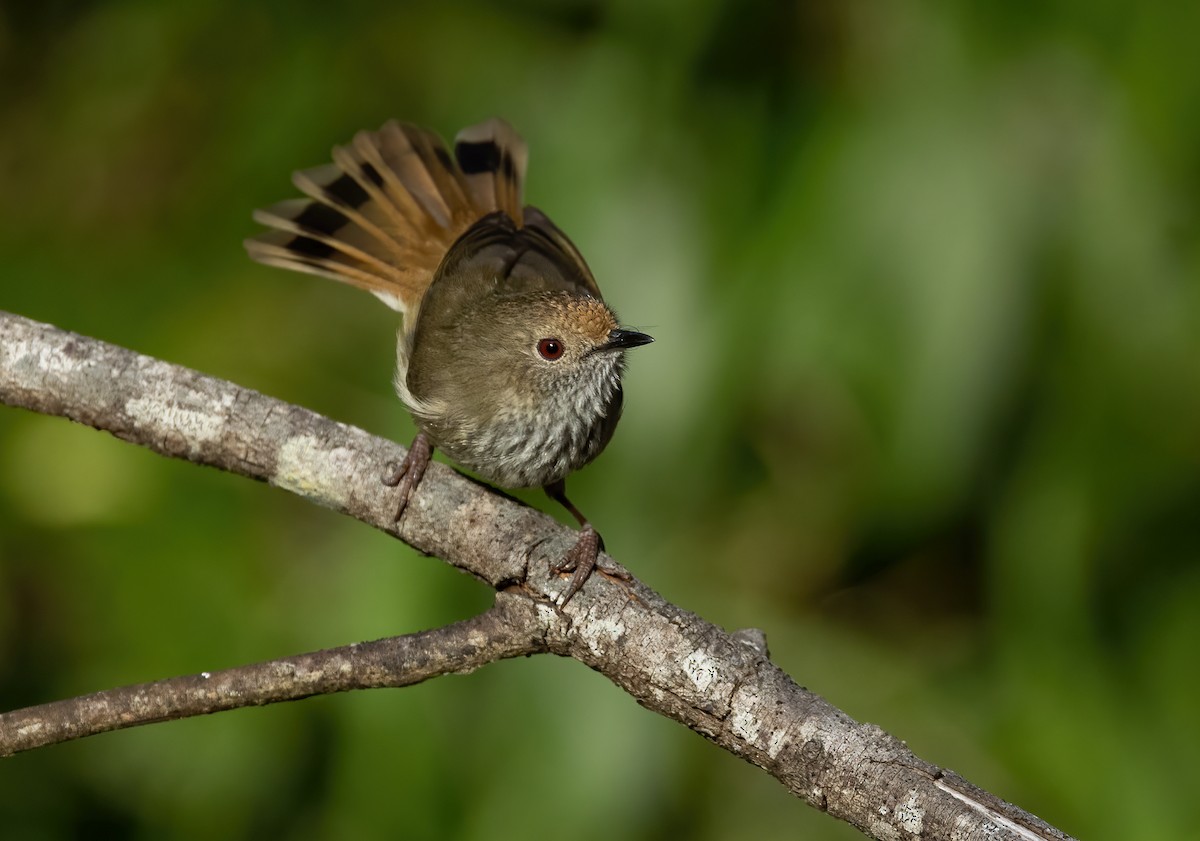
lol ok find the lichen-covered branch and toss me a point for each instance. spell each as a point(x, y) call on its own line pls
point(721, 685)
point(500, 633)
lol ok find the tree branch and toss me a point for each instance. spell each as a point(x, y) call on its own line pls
point(498, 634)
point(721, 685)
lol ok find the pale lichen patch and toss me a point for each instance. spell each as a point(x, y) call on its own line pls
point(776, 741)
point(39, 355)
point(700, 668)
point(306, 467)
point(160, 408)
point(910, 814)
point(745, 723)
point(602, 632)
point(194, 426)
point(883, 830)
point(31, 729)
point(751, 720)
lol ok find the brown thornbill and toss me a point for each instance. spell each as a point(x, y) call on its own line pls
point(509, 359)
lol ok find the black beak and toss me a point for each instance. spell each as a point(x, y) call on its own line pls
point(622, 339)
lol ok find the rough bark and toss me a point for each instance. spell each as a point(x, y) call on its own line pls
point(721, 685)
point(500, 633)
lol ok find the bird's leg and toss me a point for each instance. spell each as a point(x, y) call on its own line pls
point(580, 558)
point(407, 474)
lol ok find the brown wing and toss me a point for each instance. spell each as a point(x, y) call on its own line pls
point(551, 239)
point(536, 257)
point(382, 216)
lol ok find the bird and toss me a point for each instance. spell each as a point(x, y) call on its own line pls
point(508, 358)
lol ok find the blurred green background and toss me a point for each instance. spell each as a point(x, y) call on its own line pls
point(924, 405)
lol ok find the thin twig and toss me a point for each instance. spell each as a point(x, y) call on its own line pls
point(497, 634)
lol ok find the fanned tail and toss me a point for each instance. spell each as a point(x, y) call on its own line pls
point(383, 215)
point(493, 157)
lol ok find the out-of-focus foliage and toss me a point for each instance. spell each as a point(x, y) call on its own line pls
point(924, 405)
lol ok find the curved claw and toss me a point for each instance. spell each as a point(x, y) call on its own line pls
point(580, 558)
point(407, 475)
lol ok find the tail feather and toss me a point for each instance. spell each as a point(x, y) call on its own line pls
point(279, 248)
point(354, 238)
point(383, 215)
point(405, 232)
point(421, 159)
point(493, 158)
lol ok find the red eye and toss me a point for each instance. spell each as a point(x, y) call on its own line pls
point(550, 349)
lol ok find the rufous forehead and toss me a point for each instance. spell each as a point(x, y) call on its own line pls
point(593, 319)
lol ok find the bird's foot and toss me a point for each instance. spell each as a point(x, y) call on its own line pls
point(406, 475)
point(580, 560)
